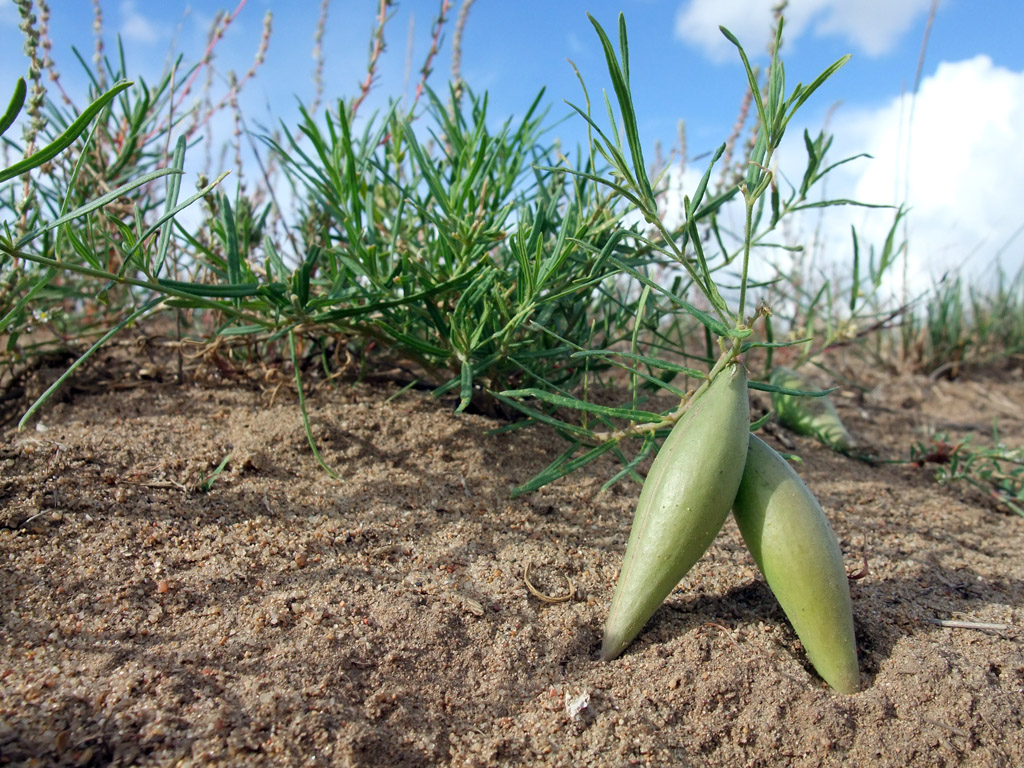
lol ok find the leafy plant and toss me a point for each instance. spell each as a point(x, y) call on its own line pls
point(696, 477)
point(450, 255)
point(88, 219)
point(478, 262)
point(695, 254)
point(52, 233)
point(996, 470)
point(958, 326)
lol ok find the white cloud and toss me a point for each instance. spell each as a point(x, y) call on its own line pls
point(960, 178)
point(135, 26)
point(959, 183)
point(872, 26)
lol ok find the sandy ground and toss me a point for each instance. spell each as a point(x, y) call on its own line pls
point(285, 618)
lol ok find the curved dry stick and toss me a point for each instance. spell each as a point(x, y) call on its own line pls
point(549, 598)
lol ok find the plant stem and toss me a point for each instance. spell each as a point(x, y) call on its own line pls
point(726, 358)
point(748, 224)
point(124, 280)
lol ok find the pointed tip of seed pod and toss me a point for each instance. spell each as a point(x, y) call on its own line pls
point(845, 681)
point(611, 647)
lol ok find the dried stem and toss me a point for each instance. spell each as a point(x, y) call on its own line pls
point(734, 136)
point(235, 85)
point(435, 46)
point(220, 26)
point(910, 132)
point(376, 49)
point(236, 112)
point(47, 45)
point(318, 56)
point(460, 28)
point(681, 133)
point(37, 122)
point(97, 56)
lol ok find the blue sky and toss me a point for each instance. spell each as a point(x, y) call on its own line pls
point(964, 163)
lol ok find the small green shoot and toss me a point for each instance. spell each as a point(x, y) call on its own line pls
point(206, 483)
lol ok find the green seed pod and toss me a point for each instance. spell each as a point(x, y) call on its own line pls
point(684, 502)
point(814, 416)
point(794, 546)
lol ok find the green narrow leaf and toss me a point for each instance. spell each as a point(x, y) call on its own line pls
point(755, 89)
point(96, 204)
point(707, 281)
point(170, 214)
point(775, 204)
point(773, 344)
point(301, 276)
point(549, 473)
point(653, 362)
point(582, 405)
point(209, 290)
point(620, 84)
point(465, 386)
point(708, 321)
point(757, 155)
point(776, 106)
point(207, 483)
point(837, 202)
point(855, 286)
point(430, 177)
point(66, 139)
point(420, 346)
point(302, 408)
point(641, 305)
point(624, 48)
point(622, 191)
point(889, 250)
point(227, 222)
point(41, 400)
point(813, 162)
point(765, 387)
point(540, 416)
point(246, 330)
point(87, 254)
point(629, 466)
point(14, 108)
point(825, 171)
point(801, 95)
point(560, 468)
point(702, 186)
point(163, 242)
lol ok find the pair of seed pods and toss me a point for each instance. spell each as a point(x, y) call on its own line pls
point(709, 464)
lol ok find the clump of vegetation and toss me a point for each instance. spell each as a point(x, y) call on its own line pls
point(707, 466)
point(996, 470)
point(489, 266)
point(486, 265)
point(481, 264)
point(961, 326)
point(804, 415)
